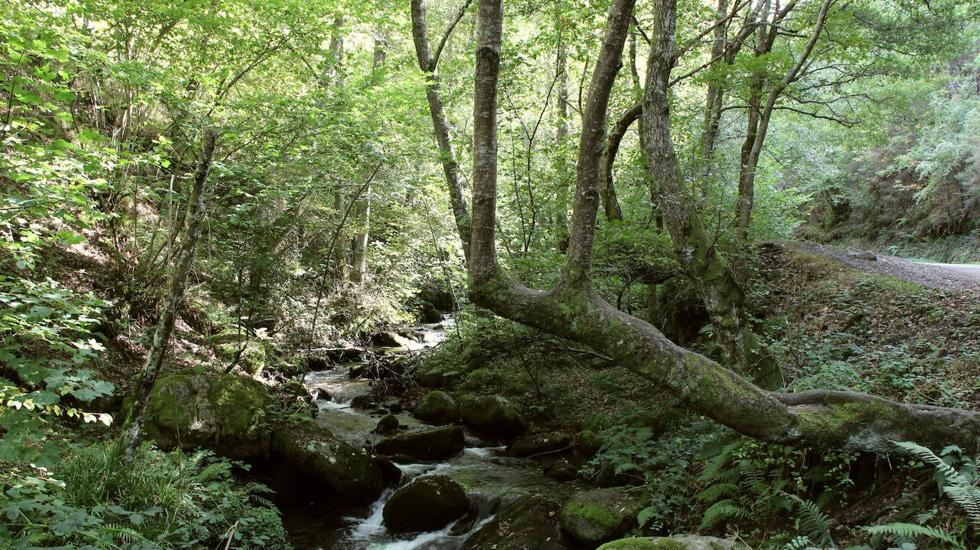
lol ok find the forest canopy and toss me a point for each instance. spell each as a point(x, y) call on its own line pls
point(709, 264)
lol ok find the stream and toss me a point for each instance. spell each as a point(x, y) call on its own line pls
point(484, 471)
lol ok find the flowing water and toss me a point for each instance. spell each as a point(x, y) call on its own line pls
point(483, 471)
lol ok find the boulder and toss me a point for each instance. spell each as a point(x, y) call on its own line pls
point(437, 407)
point(539, 444)
point(389, 339)
point(426, 504)
point(865, 255)
point(390, 472)
point(492, 415)
point(429, 313)
point(521, 522)
point(431, 444)
point(675, 542)
point(222, 412)
point(439, 296)
point(600, 515)
point(348, 472)
point(561, 470)
point(362, 402)
point(387, 425)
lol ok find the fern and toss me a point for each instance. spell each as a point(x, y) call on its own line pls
point(723, 510)
point(959, 488)
point(800, 543)
point(813, 521)
point(911, 531)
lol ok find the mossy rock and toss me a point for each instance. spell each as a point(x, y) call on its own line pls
point(348, 472)
point(539, 444)
point(521, 522)
point(492, 415)
point(425, 504)
point(252, 360)
point(432, 444)
point(222, 412)
point(437, 407)
point(600, 515)
point(676, 542)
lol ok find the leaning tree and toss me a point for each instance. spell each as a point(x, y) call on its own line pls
point(574, 310)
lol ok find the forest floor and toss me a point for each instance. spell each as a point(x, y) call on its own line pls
point(958, 277)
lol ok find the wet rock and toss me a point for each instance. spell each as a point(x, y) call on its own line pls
point(600, 515)
point(521, 522)
point(390, 472)
point(561, 470)
point(358, 371)
point(224, 412)
point(492, 415)
point(675, 542)
point(426, 504)
point(362, 402)
point(437, 407)
point(293, 392)
point(348, 472)
point(429, 313)
point(387, 425)
point(389, 339)
point(431, 444)
point(539, 444)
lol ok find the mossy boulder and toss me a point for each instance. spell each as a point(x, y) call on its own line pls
point(425, 504)
point(521, 522)
point(253, 356)
point(222, 412)
point(539, 444)
point(437, 407)
point(348, 472)
point(387, 425)
point(430, 444)
point(676, 542)
point(492, 415)
point(600, 515)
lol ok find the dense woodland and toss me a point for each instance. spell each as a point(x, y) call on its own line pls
point(487, 274)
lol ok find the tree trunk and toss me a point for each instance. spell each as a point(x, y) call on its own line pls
point(750, 158)
point(440, 124)
point(573, 310)
point(561, 136)
point(178, 284)
point(358, 274)
point(715, 95)
point(607, 187)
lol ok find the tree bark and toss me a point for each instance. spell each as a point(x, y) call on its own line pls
point(607, 186)
point(440, 124)
point(561, 136)
point(573, 310)
point(193, 220)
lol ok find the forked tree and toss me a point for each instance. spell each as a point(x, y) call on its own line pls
point(574, 310)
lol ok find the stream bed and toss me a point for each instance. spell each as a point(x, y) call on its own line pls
point(484, 471)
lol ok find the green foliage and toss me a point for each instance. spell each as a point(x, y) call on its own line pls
point(165, 500)
point(758, 486)
point(956, 477)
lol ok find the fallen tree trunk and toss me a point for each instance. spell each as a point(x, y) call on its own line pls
point(573, 310)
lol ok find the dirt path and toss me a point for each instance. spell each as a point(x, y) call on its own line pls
point(958, 277)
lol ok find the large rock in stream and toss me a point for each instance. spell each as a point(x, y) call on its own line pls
point(221, 412)
point(426, 504)
point(349, 472)
point(437, 407)
point(431, 444)
point(600, 515)
point(492, 415)
point(522, 522)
